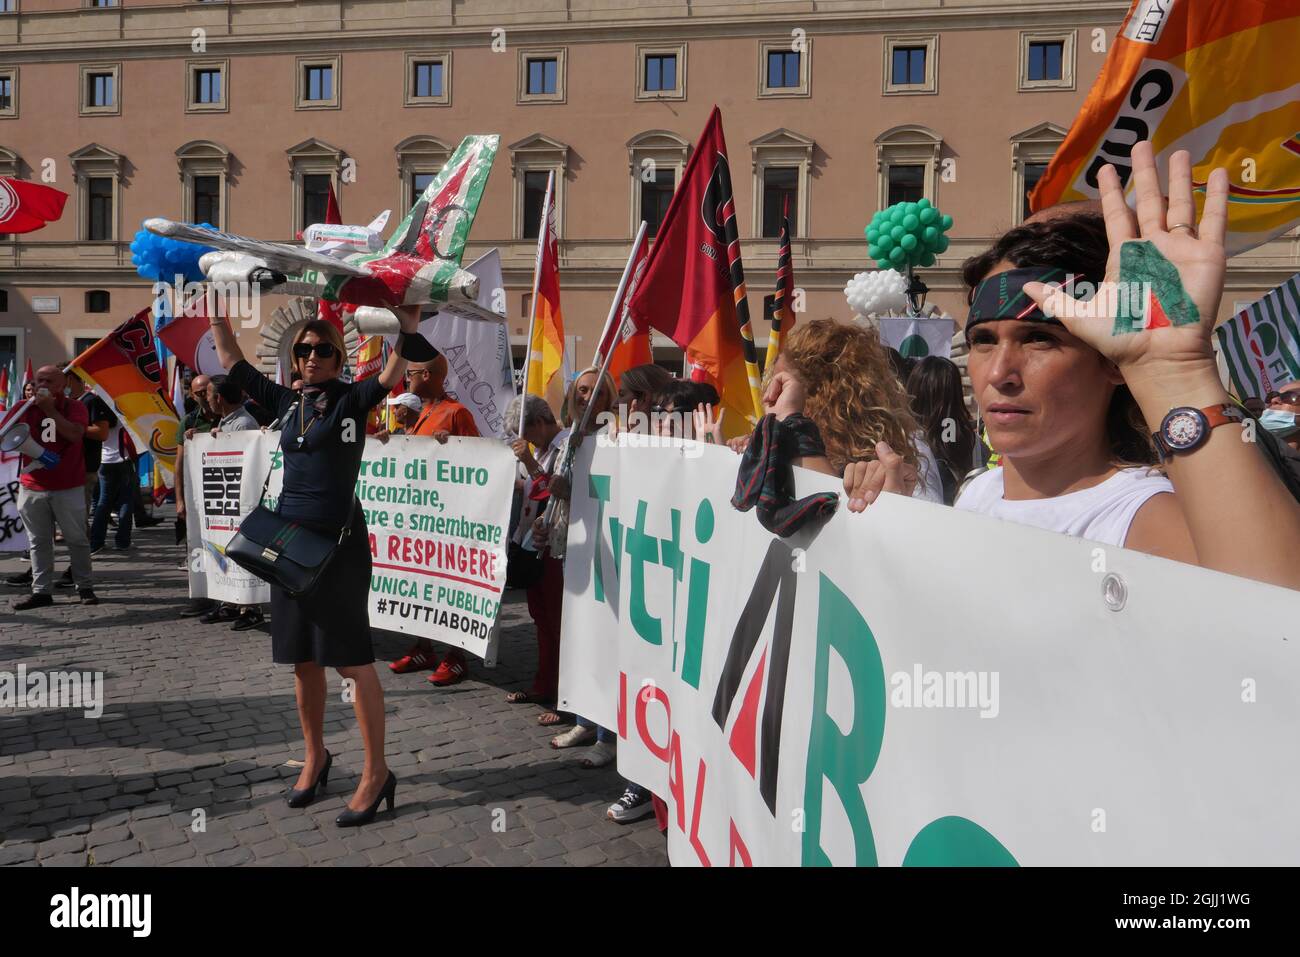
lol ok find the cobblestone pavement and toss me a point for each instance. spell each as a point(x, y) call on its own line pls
point(196, 718)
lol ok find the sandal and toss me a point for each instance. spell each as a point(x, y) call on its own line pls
point(530, 697)
point(549, 719)
point(599, 756)
point(575, 736)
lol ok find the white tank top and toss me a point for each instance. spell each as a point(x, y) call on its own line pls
point(1102, 513)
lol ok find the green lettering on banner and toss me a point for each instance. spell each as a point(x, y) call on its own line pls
point(846, 761)
point(956, 842)
point(598, 488)
point(642, 548)
point(697, 600)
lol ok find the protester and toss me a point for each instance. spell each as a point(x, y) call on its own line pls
point(330, 626)
point(226, 400)
point(1280, 417)
point(199, 419)
point(440, 417)
point(637, 389)
point(55, 495)
point(939, 405)
point(545, 596)
point(839, 376)
point(406, 411)
point(1073, 408)
point(118, 485)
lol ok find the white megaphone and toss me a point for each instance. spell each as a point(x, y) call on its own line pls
point(19, 439)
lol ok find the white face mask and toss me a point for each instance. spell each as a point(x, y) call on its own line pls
point(1277, 421)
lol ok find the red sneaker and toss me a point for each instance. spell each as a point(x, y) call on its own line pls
point(451, 671)
point(417, 659)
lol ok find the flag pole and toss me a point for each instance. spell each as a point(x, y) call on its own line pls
point(618, 293)
point(542, 229)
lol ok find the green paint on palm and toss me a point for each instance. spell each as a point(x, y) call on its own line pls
point(1151, 291)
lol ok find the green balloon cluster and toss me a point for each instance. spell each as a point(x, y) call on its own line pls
point(908, 234)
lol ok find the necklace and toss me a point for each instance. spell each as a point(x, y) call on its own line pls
point(302, 412)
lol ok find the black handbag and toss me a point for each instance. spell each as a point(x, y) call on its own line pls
point(523, 566)
point(283, 552)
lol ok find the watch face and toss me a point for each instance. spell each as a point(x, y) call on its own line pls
point(1183, 428)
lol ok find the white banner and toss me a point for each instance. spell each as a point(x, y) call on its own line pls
point(918, 338)
point(915, 685)
point(437, 517)
point(13, 537)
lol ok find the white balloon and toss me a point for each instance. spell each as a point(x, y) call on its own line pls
point(876, 292)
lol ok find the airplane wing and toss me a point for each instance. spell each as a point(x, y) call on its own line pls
point(291, 260)
point(379, 222)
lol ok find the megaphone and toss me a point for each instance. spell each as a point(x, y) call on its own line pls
point(19, 439)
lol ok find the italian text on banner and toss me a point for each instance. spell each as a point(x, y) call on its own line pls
point(437, 517)
point(13, 537)
point(915, 685)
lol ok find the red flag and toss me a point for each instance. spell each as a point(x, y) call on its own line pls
point(629, 339)
point(332, 311)
point(28, 376)
point(694, 285)
point(25, 207)
point(189, 336)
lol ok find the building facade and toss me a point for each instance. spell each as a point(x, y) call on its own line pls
point(243, 113)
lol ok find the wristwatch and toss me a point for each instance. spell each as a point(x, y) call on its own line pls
point(1186, 429)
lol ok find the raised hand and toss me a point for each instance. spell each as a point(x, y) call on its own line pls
point(865, 481)
point(707, 428)
point(785, 395)
point(1162, 264)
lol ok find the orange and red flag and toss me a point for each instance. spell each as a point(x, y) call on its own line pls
point(546, 331)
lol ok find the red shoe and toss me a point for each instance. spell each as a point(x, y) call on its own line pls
point(417, 659)
point(451, 671)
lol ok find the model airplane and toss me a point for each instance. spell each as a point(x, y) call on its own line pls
point(336, 240)
point(419, 265)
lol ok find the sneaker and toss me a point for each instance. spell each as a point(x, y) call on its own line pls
point(451, 671)
point(96, 549)
point(219, 614)
point(574, 737)
point(65, 580)
point(87, 596)
point(635, 804)
point(417, 659)
point(21, 580)
point(250, 618)
point(33, 601)
point(202, 607)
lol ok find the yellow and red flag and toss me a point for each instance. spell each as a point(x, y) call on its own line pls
point(123, 367)
point(694, 285)
point(546, 330)
point(629, 341)
point(1219, 78)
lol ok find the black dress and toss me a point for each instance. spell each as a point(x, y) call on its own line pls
point(332, 625)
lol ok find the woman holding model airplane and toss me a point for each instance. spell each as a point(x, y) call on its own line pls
point(322, 437)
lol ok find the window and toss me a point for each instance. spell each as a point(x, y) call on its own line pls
point(99, 222)
point(428, 79)
point(207, 199)
point(81, 343)
point(419, 158)
point(783, 70)
point(661, 71)
point(318, 83)
point(1047, 60)
point(1031, 152)
point(8, 6)
point(911, 64)
point(534, 197)
point(9, 92)
point(4, 307)
point(780, 183)
point(206, 86)
point(907, 164)
point(315, 197)
point(102, 3)
point(531, 160)
point(101, 88)
point(419, 183)
point(906, 184)
point(782, 168)
point(541, 76)
point(1033, 172)
point(656, 194)
point(97, 300)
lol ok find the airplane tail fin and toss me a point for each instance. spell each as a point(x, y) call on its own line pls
point(438, 224)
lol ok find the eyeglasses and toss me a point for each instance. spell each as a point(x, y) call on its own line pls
point(323, 350)
point(1286, 398)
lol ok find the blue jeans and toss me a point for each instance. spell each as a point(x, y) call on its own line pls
point(603, 735)
point(116, 493)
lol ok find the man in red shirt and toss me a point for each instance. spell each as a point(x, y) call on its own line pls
point(441, 417)
point(55, 495)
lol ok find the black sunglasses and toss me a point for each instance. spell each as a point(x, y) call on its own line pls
point(323, 350)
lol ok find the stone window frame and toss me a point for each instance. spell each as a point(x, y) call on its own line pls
point(203, 158)
point(930, 86)
point(908, 145)
point(560, 55)
point(420, 153)
point(782, 147)
point(95, 161)
point(1068, 39)
point(89, 69)
point(537, 153)
point(644, 50)
point(1038, 144)
point(667, 150)
point(785, 45)
point(431, 56)
point(12, 112)
point(192, 105)
point(311, 156)
point(335, 102)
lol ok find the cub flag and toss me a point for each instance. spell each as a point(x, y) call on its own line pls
point(25, 207)
point(694, 285)
point(1261, 345)
point(546, 331)
point(123, 368)
point(1219, 79)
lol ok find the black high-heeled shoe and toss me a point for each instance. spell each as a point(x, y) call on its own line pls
point(301, 797)
point(351, 818)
